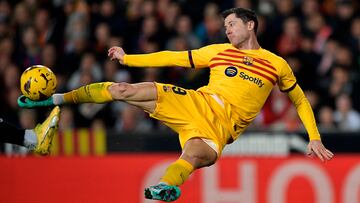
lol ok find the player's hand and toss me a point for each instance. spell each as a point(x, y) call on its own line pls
point(315, 147)
point(27, 103)
point(116, 53)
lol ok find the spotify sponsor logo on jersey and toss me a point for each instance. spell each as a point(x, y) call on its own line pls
point(231, 71)
point(255, 80)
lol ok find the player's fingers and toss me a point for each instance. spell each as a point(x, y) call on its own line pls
point(329, 154)
point(112, 48)
point(310, 154)
point(325, 155)
point(111, 53)
point(318, 154)
point(309, 151)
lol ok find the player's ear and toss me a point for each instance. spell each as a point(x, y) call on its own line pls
point(251, 25)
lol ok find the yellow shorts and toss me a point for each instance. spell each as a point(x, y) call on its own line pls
point(188, 113)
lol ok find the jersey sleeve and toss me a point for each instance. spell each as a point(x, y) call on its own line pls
point(287, 80)
point(158, 59)
point(305, 112)
point(197, 58)
point(201, 57)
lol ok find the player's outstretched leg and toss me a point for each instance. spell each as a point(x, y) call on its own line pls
point(196, 154)
point(162, 191)
point(45, 132)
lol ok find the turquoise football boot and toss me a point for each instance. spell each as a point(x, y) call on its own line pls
point(162, 191)
point(27, 103)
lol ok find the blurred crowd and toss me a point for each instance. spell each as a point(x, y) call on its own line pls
point(320, 39)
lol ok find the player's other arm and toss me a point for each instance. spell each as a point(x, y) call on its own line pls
point(186, 59)
point(306, 115)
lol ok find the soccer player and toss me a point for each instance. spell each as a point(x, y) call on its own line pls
point(242, 75)
point(38, 139)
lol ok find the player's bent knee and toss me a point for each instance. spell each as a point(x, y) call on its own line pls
point(120, 90)
point(199, 160)
point(199, 153)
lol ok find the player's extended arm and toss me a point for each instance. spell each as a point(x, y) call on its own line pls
point(159, 59)
point(305, 112)
point(184, 59)
point(156, 59)
point(306, 115)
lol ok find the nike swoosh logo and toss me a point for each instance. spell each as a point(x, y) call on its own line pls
point(23, 99)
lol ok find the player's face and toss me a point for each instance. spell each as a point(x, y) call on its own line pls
point(236, 30)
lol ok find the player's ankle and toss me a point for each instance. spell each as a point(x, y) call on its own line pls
point(58, 99)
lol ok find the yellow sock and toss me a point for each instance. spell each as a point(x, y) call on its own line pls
point(177, 172)
point(92, 93)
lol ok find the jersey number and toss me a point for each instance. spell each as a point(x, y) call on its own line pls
point(178, 90)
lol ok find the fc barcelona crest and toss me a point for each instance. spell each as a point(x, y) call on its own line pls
point(247, 60)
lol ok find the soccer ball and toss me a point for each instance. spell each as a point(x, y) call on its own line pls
point(38, 82)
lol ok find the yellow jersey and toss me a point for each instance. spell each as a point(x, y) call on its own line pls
point(241, 79)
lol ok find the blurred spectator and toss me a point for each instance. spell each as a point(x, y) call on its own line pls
point(317, 27)
point(6, 49)
point(43, 26)
point(309, 61)
point(328, 57)
point(211, 30)
point(49, 58)
point(133, 120)
point(21, 18)
point(183, 32)
point(111, 73)
point(77, 26)
point(275, 108)
point(67, 119)
point(290, 40)
point(30, 54)
point(170, 17)
point(148, 8)
point(263, 34)
point(340, 82)
point(149, 36)
point(110, 15)
point(102, 38)
point(11, 109)
point(354, 40)
point(11, 77)
point(344, 57)
point(326, 122)
point(345, 116)
point(345, 11)
point(291, 121)
point(27, 118)
point(89, 67)
point(283, 9)
point(243, 4)
point(309, 8)
point(5, 11)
